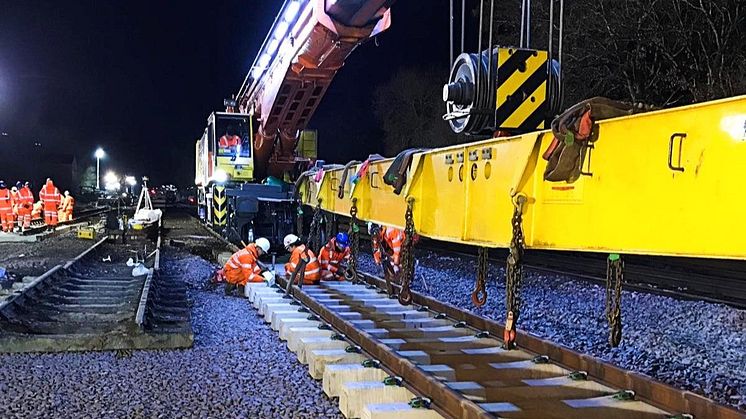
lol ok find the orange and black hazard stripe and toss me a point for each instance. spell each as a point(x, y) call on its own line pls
point(219, 206)
point(521, 89)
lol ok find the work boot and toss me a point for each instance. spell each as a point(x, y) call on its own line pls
point(229, 288)
point(242, 291)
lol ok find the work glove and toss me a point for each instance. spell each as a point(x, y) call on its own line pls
point(395, 269)
point(268, 276)
point(377, 258)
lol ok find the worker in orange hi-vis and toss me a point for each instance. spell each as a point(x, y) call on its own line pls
point(6, 208)
point(66, 209)
point(16, 199)
point(333, 255)
point(299, 251)
point(389, 240)
point(243, 267)
point(37, 211)
point(25, 206)
point(51, 198)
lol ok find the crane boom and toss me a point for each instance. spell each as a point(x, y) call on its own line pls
point(306, 46)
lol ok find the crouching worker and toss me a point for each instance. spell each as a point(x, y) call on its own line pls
point(243, 267)
point(334, 257)
point(387, 243)
point(300, 252)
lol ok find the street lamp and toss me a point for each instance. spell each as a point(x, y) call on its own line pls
point(99, 154)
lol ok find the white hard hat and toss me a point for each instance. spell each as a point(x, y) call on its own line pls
point(263, 244)
point(372, 227)
point(289, 240)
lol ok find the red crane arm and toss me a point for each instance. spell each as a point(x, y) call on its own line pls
point(309, 41)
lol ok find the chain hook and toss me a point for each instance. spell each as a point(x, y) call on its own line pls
point(514, 272)
point(479, 295)
point(354, 234)
point(614, 279)
point(405, 294)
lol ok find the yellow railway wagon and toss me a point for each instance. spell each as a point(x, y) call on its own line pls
point(668, 182)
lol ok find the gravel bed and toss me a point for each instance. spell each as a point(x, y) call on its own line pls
point(238, 367)
point(692, 345)
point(35, 258)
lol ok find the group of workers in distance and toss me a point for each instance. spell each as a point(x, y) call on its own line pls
point(18, 208)
point(331, 264)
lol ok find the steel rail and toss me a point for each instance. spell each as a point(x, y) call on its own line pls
point(646, 388)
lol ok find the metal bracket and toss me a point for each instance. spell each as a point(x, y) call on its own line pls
point(449, 158)
point(487, 153)
point(587, 158)
point(333, 180)
point(678, 167)
point(372, 175)
point(473, 155)
point(460, 157)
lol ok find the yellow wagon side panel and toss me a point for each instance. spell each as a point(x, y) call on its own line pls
point(667, 182)
point(635, 203)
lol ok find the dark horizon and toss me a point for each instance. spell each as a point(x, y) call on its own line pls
point(140, 79)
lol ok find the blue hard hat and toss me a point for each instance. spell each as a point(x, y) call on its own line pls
point(343, 240)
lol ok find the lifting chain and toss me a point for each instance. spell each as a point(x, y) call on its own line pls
point(479, 295)
point(514, 273)
point(354, 234)
point(299, 218)
point(329, 224)
point(315, 229)
point(614, 279)
point(407, 272)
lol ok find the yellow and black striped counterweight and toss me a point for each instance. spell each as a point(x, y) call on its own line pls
point(521, 89)
point(219, 206)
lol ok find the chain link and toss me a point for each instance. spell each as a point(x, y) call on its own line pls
point(329, 227)
point(614, 279)
point(407, 272)
point(514, 273)
point(299, 217)
point(354, 234)
point(315, 229)
point(479, 295)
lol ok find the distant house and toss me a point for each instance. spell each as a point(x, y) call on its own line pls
point(33, 164)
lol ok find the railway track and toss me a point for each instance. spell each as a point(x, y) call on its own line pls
point(97, 302)
point(38, 226)
point(435, 360)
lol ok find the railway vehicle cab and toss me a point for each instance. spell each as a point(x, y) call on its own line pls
point(230, 198)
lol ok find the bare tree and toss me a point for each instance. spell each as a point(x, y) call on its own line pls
point(410, 108)
point(663, 52)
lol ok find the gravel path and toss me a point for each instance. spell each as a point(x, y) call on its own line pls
point(238, 367)
point(693, 345)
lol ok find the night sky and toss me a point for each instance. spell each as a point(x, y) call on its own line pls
point(140, 78)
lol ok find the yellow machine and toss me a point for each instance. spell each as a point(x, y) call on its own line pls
point(88, 233)
point(660, 183)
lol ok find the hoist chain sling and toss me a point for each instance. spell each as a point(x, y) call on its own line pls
point(479, 295)
point(315, 229)
point(514, 273)
point(614, 279)
point(407, 272)
point(299, 216)
point(377, 242)
point(354, 234)
point(329, 223)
